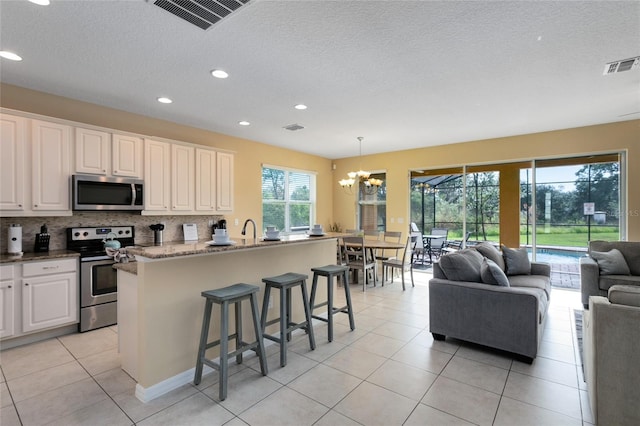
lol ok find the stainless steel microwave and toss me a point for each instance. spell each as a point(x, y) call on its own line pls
point(107, 193)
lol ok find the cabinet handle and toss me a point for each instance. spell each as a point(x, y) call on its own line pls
point(19, 205)
point(8, 286)
point(35, 205)
point(26, 283)
point(50, 267)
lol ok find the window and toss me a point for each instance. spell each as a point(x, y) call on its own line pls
point(288, 199)
point(372, 211)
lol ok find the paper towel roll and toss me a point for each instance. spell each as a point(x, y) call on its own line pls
point(15, 239)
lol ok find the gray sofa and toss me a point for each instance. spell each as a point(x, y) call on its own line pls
point(596, 280)
point(508, 317)
point(612, 356)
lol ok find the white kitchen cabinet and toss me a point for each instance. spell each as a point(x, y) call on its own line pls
point(224, 184)
point(127, 156)
point(92, 151)
point(12, 154)
point(7, 300)
point(106, 154)
point(157, 176)
point(51, 166)
point(182, 178)
point(49, 294)
point(205, 180)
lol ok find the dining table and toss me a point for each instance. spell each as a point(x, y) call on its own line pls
point(372, 245)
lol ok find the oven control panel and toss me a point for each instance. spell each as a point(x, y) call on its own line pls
point(100, 233)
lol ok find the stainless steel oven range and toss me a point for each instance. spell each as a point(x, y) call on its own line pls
point(98, 279)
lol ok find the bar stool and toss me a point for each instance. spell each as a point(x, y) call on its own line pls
point(285, 283)
point(223, 296)
point(331, 271)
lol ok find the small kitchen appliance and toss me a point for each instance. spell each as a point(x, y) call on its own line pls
point(14, 245)
point(98, 279)
point(157, 233)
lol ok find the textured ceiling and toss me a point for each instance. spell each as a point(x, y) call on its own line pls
point(402, 74)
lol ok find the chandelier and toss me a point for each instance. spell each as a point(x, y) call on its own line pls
point(361, 178)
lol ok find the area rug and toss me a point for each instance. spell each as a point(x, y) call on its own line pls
point(578, 320)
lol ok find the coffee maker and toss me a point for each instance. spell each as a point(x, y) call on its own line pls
point(221, 224)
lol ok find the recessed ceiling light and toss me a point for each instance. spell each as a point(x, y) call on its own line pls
point(243, 123)
point(10, 55)
point(40, 2)
point(164, 100)
point(219, 74)
point(300, 106)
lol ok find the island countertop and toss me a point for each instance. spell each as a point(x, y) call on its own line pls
point(189, 248)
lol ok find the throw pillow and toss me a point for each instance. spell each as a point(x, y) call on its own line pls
point(516, 261)
point(490, 251)
point(491, 273)
point(463, 265)
point(611, 262)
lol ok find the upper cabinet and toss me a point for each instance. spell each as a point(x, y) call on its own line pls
point(38, 157)
point(224, 185)
point(51, 166)
point(107, 154)
point(35, 176)
point(196, 180)
point(12, 153)
point(126, 156)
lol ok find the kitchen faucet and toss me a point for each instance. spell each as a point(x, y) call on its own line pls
point(244, 228)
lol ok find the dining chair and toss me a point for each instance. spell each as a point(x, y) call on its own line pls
point(407, 261)
point(387, 254)
point(357, 260)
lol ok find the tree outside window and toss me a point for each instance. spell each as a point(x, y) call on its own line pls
point(288, 199)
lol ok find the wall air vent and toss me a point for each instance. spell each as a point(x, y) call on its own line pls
point(624, 65)
point(293, 127)
point(201, 13)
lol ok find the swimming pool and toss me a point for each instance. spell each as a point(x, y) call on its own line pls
point(561, 256)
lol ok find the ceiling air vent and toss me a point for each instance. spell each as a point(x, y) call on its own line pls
point(201, 13)
point(293, 127)
point(624, 65)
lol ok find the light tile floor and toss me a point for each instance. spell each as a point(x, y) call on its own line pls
point(389, 371)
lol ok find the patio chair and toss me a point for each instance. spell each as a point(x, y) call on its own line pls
point(437, 244)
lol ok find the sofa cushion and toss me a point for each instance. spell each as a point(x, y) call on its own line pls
point(516, 261)
point(540, 282)
point(463, 265)
point(607, 281)
point(611, 262)
point(625, 295)
point(490, 273)
point(629, 249)
point(490, 251)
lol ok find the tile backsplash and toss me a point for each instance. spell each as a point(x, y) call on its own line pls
point(143, 235)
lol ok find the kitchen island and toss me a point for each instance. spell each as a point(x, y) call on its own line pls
point(160, 307)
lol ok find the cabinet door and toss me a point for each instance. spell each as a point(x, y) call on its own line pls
point(205, 180)
point(127, 156)
point(12, 170)
point(92, 151)
point(157, 175)
point(224, 186)
point(49, 301)
point(7, 302)
point(182, 178)
point(51, 169)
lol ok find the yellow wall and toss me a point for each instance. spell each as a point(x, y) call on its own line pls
point(613, 137)
point(249, 157)
point(334, 204)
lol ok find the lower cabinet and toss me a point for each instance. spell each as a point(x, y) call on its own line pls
point(49, 296)
point(7, 302)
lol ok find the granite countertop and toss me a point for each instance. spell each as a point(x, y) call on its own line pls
point(130, 267)
point(45, 255)
point(186, 248)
